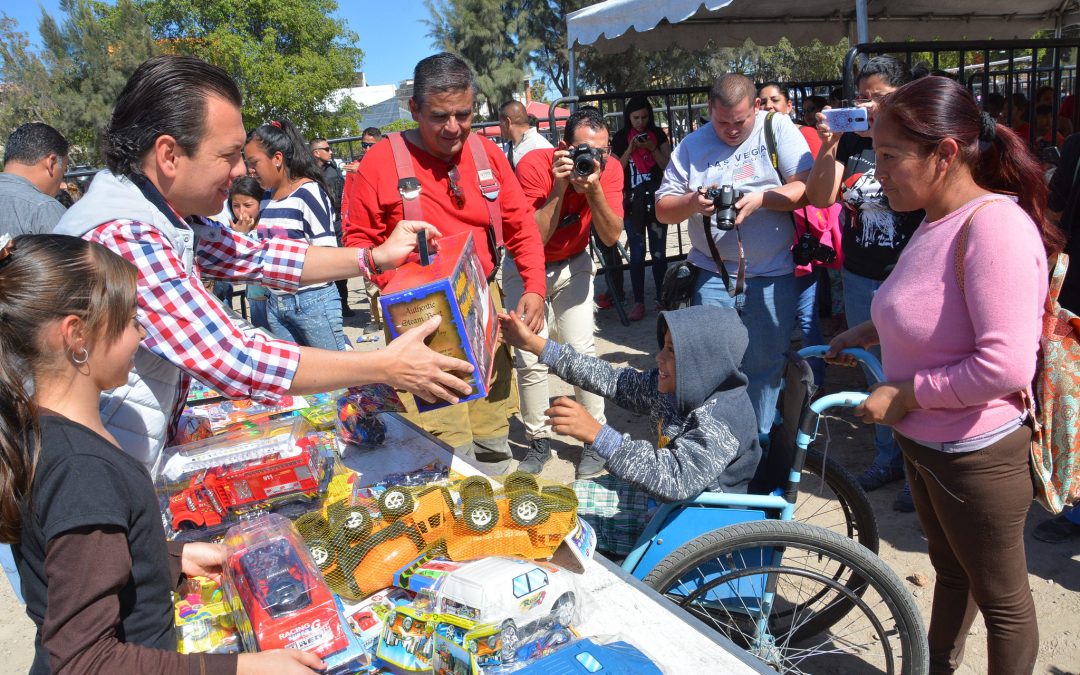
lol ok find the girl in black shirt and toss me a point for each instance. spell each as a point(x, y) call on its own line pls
point(82, 514)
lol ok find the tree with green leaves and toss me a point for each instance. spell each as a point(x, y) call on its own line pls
point(287, 56)
point(491, 36)
point(73, 81)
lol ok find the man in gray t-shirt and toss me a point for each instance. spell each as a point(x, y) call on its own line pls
point(731, 150)
point(35, 159)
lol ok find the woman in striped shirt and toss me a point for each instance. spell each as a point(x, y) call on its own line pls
point(296, 206)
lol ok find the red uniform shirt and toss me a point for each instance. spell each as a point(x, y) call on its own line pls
point(534, 172)
point(374, 206)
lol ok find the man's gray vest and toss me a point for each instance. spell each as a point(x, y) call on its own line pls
point(138, 413)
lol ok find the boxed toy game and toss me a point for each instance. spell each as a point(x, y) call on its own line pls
point(452, 285)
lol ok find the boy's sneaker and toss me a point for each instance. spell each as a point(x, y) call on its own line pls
point(877, 476)
point(538, 455)
point(637, 313)
point(904, 503)
point(591, 464)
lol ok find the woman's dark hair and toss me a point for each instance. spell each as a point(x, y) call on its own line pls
point(245, 185)
point(165, 96)
point(634, 104)
point(892, 71)
point(281, 136)
point(46, 278)
point(440, 73)
point(780, 88)
point(932, 109)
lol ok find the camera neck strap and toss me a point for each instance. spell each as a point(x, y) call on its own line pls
point(740, 275)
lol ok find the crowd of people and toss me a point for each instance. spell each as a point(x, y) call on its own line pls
point(931, 229)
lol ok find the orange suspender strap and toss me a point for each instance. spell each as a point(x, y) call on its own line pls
point(408, 185)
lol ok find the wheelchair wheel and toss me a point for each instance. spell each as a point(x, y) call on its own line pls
point(800, 598)
point(831, 497)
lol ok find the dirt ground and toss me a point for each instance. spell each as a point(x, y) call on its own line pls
point(1054, 571)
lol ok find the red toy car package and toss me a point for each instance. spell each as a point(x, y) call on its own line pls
point(279, 597)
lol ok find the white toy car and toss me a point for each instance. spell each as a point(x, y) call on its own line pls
point(519, 596)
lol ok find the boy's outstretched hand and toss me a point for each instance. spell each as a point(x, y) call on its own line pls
point(570, 418)
point(518, 335)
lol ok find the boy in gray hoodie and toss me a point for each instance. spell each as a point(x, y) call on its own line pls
point(696, 399)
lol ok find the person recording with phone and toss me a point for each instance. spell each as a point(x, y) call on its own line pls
point(872, 233)
point(733, 151)
point(644, 151)
point(574, 189)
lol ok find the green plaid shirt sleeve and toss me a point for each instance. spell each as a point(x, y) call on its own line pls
point(617, 509)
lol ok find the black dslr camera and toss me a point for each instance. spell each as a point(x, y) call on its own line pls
point(724, 198)
point(808, 250)
point(583, 157)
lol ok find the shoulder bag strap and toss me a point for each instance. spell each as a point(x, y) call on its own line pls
point(961, 244)
point(408, 185)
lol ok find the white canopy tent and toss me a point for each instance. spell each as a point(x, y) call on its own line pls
point(616, 25)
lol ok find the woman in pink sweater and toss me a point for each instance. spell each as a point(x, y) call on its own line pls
point(959, 334)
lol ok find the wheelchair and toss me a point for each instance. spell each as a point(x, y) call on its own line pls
point(801, 597)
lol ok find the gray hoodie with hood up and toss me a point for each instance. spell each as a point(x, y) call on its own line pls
point(707, 428)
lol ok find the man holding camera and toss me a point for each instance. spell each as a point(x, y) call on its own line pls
point(573, 188)
point(722, 178)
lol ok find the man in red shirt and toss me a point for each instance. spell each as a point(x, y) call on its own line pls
point(450, 195)
point(569, 201)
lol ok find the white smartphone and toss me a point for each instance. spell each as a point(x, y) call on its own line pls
point(847, 119)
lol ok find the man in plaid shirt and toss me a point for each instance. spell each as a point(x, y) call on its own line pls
point(173, 148)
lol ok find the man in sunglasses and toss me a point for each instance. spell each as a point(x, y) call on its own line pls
point(335, 184)
point(575, 189)
point(450, 188)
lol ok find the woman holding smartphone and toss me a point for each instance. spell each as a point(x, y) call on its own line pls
point(872, 233)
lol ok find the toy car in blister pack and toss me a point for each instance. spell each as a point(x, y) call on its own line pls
point(206, 486)
point(279, 598)
point(463, 647)
point(367, 617)
point(365, 552)
point(202, 619)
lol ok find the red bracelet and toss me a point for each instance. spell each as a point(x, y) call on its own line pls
point(372, 265)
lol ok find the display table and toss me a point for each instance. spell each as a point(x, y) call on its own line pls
point(617, 602)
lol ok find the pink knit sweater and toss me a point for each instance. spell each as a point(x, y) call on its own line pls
point(969, 352)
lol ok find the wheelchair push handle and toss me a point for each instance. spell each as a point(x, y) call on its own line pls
point(808, 423)
point(865, 358)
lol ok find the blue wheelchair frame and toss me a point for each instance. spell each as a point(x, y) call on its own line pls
point(677, 523)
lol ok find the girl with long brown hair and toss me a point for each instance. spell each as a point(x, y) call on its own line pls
point(80, 513)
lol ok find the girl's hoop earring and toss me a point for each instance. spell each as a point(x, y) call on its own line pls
point(80, 360)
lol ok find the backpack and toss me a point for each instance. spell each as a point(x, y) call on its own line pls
point(1055, 410)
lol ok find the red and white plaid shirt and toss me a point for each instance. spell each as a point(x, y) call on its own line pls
point(184, 323)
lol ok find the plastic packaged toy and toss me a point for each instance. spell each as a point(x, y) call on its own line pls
point(592, 655)
point(362, 552)
point(521, 597)
point(463, 647)
point(453, 286)
point(202, 619)
point(358, 411)
point(367, 617)
point(206, 486)
point(279, 598)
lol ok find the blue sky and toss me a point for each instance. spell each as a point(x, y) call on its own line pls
point(392, 34)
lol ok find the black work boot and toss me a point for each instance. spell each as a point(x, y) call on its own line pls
point(591, 464)
point(538, 455)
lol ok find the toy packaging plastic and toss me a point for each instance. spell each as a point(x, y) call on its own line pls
point(453, 285)
point(279, 598)
point(202, 619)
point(206, 486)
point(612, 655)
point(358, 409)
point(367, 617)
